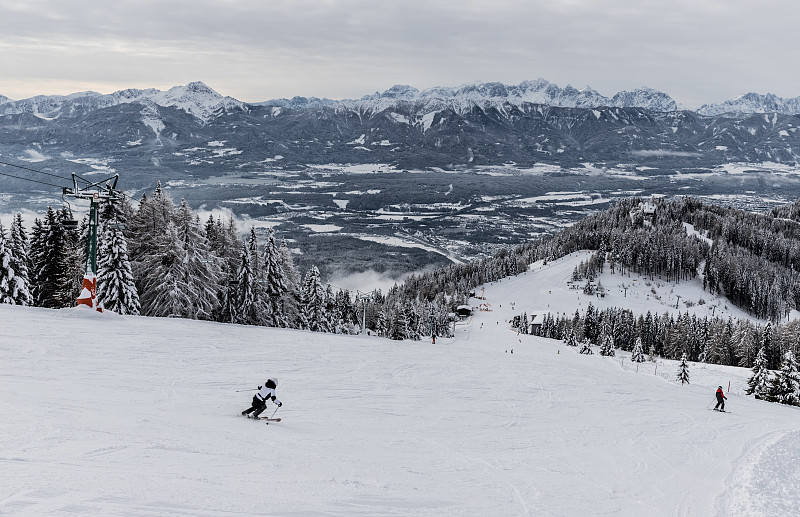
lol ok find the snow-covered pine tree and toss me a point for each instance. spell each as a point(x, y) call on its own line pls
point(36, 259)
point(381, 325)
point(785, 385)
point(607, 345)
point(6, 271)
point(116, 287)
point(51, 258)
point(744, 342)
point(20, 260)
point(683, 370)
point(274, 283)
point(770, 350)
point(398, 327)
point(75, 244)
point(586, 347)
point(312, 302)
point(201, 266)
point(606, 337)
point(413, 320)
point(165, 291)
point(290, 300)
point(227, 310)
point(590, 324)
point(246, 309)
point(759, 382)
point(572, 339)
point(147, 240)
point(637, 355)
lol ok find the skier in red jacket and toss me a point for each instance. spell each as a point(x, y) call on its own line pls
point(721, 398)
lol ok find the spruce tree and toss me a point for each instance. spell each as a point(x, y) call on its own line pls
point(6, 271)
point(165, 291)
point(54, 285)
point(274, 283)
point(246, 310)
point(606, 338)
point(572, 339)
point(637, 355)
point(201, 266)
point(116, 287)
point(683, 370)
point(227, 310)
point(607, 345)
point(312, 302)
point(147, 240)
point(290, 300)
point(75, 253)
point(785, 385)
point(398, 327)
point(759, 382)
point(36, 259)
point(20, 260)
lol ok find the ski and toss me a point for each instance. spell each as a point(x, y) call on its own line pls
point(268, 419)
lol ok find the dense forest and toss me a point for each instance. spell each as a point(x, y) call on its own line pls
point(159, 259)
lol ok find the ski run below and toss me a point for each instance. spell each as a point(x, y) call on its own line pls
point(129, 416)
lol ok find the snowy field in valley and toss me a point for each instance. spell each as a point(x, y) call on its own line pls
point(129, 416)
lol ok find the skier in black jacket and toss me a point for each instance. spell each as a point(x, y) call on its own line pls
point(267, 392)
point(720, 400)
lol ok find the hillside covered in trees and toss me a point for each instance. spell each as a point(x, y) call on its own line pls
point(159, 259)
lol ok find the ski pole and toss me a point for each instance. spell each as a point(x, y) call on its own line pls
point(276, 410)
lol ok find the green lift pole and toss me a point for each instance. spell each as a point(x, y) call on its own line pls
point(93, 191)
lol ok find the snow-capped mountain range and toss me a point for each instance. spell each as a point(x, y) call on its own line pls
point(470, 125)
point(463, 98)
point(195, 98)
point(202, 102)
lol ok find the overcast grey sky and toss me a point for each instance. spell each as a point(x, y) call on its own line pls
point(696, 50)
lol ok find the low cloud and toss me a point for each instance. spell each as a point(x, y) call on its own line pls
point(364, 281)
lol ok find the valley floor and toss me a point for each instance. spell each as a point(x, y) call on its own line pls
point(130, 416)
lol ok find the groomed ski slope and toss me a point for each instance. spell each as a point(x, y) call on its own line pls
point(130, 416)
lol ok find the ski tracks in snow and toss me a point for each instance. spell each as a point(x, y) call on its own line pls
point(767, 467)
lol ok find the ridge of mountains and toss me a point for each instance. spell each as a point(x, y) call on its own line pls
point(463, 98)
point(201, 101)
point(193, 131)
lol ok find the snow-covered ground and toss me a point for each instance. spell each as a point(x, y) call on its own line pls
point(549, 288)
point(130, 416)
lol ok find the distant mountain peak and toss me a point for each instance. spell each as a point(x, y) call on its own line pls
point(753, 103)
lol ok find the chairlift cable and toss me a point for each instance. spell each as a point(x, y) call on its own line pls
point(29, 179)
point(33, 170)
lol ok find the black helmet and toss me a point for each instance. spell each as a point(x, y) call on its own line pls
point(271, 383)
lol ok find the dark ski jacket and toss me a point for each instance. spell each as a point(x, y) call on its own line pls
point(720, 395)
